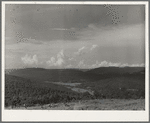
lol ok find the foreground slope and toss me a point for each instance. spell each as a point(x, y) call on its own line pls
point(98, 104)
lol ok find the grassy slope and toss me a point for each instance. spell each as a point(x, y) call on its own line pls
point(100, 104)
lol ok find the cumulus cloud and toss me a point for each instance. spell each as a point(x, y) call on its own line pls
point(124, 65)
point(30, 60)
point(51, 62)
point(71, 58)
point(69, 66)
point(81, 64)
point(80, 50)
point(141, 65)
point(58, 61)
point(133, 65)
point(60, 54)
point(110, 64)
point(85, 49)
point(93, 46)
point(60, 29)
point(103, 64)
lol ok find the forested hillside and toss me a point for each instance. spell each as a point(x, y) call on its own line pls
point(19, 91)
point(40, 86)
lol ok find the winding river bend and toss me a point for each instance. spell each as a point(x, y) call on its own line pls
point(73, 87)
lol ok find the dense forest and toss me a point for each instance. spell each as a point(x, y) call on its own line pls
point(19, 91)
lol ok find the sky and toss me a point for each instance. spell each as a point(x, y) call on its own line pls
point(74, 36)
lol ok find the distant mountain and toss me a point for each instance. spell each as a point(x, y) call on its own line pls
point(116, 70)
point(73, 75)
point(39, 74)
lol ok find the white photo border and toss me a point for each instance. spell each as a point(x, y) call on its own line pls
point(92, 116)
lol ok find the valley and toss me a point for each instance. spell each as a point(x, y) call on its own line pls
point(35, 86)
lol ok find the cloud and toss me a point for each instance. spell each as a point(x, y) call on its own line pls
point(71, 58)
point(80, 50)
point(51, 62)
point(58, 61)
point(122, 35)
point(110, 64)
point(92, 26)
point(81, 64)
point(103, 64)
point(93, 46)
point(60, 29)
point(60, 54)
point(133, 65)
point(69, 66)
point(85, 49)
point(29, 60)
point(138, 65)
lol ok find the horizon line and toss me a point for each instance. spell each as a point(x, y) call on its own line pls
point(79, 68)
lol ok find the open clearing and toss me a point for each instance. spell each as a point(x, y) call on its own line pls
point(99, 104)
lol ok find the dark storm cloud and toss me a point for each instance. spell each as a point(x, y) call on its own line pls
point(65, 22)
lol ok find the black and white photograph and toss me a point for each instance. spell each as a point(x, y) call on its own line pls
point(75, 57)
